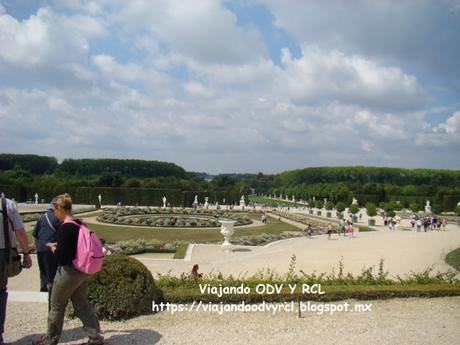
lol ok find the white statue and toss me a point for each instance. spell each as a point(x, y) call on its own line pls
point(242, 201)
point(293, 198)
point(195, 202)
point(355, 202)
point(428, 207)
point(206, 205)
point(164, 201)
point(36, 198)
point(99, 198)
point(325, 202)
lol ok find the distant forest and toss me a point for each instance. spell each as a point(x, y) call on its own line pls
point(373, 184)
point(23, 175)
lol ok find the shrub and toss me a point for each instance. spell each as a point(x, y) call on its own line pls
point(123, 289)
point(319, 204)
point(353, 208)
point(341, 206)
point(329, 205)
point(414, 207)
point(371, 209)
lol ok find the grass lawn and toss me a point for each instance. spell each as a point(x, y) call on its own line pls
point(116, 233)
point(453, 259)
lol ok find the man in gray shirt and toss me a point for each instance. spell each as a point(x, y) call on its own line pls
point(16, 230)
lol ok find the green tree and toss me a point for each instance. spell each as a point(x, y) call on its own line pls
point(110, 179)
point(319, 204)
point(341, 206)
point(132, 183)
point(353, 208)
point(329, 205)
point(415, 207)
point(371, 209)
point(390, 209)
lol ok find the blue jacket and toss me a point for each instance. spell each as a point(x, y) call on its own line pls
point(44, 233)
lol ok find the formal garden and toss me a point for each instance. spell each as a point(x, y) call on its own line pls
point(172, 217)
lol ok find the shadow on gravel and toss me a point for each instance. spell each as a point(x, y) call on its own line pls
point(112, 336)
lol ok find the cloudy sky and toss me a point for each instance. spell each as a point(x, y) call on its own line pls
point(233, 86)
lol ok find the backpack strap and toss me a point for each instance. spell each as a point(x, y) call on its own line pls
point(75, 223)
point(6, 230)
point(51, 225)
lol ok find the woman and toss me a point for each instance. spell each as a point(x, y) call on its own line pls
point(329, 231)
point(69, 283)
point(195, 273)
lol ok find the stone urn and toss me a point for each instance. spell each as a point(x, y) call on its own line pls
point(227, 230)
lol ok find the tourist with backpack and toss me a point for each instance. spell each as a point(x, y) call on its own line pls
point(79, 254)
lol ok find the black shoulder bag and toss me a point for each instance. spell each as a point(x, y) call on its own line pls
point(12, 258)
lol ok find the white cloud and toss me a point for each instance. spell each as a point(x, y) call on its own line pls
point(198, 89)
point(46, 39)
point(185, 82)
point(452, 125)
point(112, 69)
point(203, 30)
point(321, 76)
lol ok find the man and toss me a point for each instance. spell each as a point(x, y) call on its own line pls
point(15, 228)
point(45, 231)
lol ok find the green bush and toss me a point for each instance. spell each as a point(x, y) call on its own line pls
point(329, 205)
point(353, 208)
point(124, 288)
point(340, 206)
point(414, 207)
point(371, 209)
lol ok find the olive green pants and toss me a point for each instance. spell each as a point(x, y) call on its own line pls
point(71, 284)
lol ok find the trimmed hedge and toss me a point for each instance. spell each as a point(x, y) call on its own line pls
point(332, 293)
point(453, 259)
point(123, 289)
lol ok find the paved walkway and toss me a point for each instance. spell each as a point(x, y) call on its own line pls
point(411, 321)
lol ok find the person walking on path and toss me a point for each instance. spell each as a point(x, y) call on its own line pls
point(69, 283)
point(45, 231)
point(11, 217)
point(329, 231)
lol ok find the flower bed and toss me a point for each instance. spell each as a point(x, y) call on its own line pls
point(176, 218)
point(140, 246)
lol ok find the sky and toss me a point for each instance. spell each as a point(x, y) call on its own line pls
point(233, 86)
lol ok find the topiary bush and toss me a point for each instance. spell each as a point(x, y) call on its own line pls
point(124, 288)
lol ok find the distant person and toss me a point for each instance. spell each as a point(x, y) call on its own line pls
point(45, 231)
point(105, 250)
point(351, 230)
point(195, 272)
point(329, 231)
point(309, 230)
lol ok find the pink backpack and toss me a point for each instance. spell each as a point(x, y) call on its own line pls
point(89, 256)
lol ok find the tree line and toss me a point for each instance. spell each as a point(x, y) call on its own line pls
point(27, 174)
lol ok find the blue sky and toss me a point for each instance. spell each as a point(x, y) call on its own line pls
point(231, 85)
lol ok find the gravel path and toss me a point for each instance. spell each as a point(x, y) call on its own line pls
point(397, 321)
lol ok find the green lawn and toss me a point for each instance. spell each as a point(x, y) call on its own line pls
point(453, 259)
point(117, 233)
